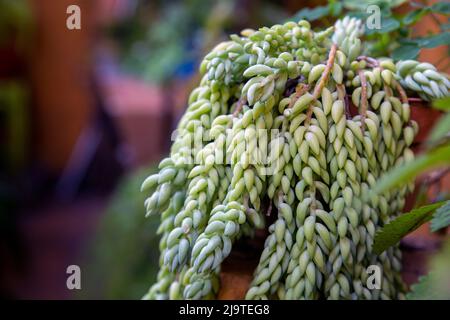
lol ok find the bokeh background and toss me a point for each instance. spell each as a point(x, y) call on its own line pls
point(84, 117)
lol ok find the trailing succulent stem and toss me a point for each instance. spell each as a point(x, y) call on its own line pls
point(303, 120)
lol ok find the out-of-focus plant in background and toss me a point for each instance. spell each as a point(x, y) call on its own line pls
point(160, 39)
point(123, 254)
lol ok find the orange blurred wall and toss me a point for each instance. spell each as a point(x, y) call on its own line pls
point(60, 71)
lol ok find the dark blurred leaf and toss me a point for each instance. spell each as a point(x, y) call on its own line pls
point(395, 230)
point(312, 14)
point(434, 40)
point(403, 174)
point(414, 16)
point(388, 24)
point(441, 7)
point(362, 5)
point(123, 257)
point(441, 218)
point(406, 52)
point(357, 14)
point(335, 8)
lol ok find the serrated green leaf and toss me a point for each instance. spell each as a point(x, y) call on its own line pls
point(441, 7)
point(436, 284)
point(422, 289)
point(405, 173)
point(441, 217)
point(395, 230)
point(442, 104)
point(406, 52)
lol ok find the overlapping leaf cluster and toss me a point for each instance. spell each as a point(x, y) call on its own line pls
point(297, 121)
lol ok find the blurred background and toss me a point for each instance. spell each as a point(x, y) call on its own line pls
point(84, 117)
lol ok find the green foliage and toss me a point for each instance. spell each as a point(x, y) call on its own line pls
point(441, 218)
point(441, 7)
point(436, 284)
point(394, 38)
point(160, 36)
point(394, 231)
point(405, 173)
point(442, 104)
point(124, 253)
point(406, 52)
point(313, 14)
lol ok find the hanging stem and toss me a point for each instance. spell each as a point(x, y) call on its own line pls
point(239, 105)
point(364, 102)
point(401, 91)
point(323, 79)
point(343, 96)
point(300, 90)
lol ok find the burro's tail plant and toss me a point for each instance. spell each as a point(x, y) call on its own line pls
point(297, 124)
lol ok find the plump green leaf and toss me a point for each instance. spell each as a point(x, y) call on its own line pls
point(441, 218)
point(403, 174)
point(406, 52)
point(441, 7)
point(394, 231)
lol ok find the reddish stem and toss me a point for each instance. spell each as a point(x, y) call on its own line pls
point(364, 102)
point(300, 90)
point(323, 79)
point(241, 102)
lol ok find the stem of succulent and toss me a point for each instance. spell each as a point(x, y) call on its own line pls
point(364, 101)
point(372, 62)
point(300, 90)
point(241, 102)
point(401, 91)
point(323, 79)
point(342, 95)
